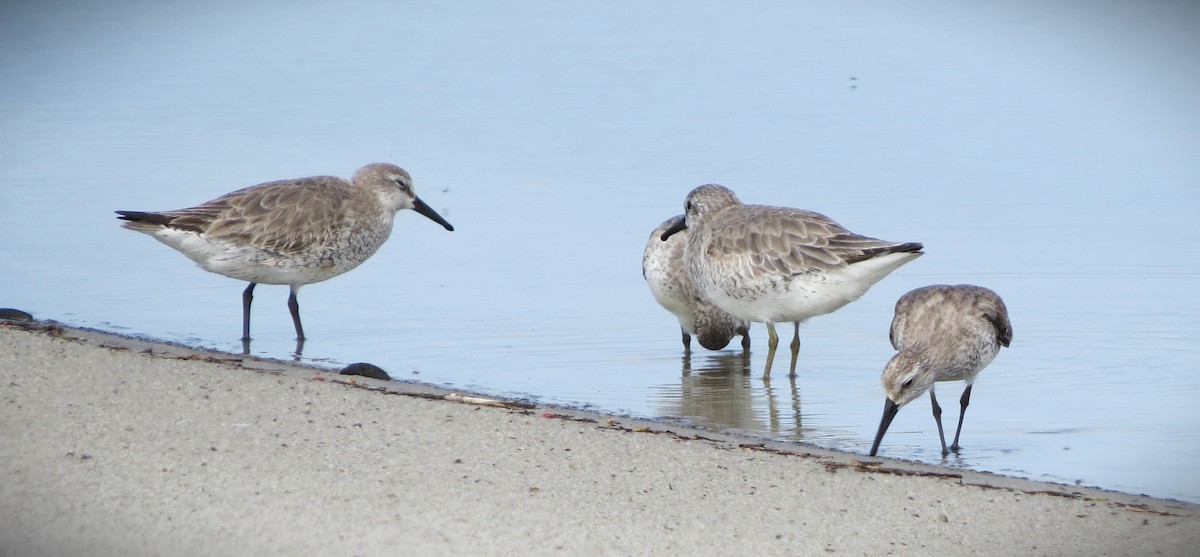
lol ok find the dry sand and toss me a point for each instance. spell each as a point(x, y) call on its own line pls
point(117, 446)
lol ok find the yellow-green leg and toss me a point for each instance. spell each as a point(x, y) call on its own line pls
point(772, 343)
point(795, 349)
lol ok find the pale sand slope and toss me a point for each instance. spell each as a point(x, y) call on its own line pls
point(121, 452)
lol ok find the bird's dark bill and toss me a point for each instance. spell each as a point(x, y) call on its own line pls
point(681, 225)
point(420, 207)
point(889, 411)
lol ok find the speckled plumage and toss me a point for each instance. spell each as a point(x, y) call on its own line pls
point(941, 333)
point(663, 269)
point(292, 232)
point(778, 264)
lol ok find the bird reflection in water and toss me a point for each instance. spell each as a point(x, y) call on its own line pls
point(718, 392)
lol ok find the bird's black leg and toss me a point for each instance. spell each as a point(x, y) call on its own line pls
point(294, 307)
point(937, 417)
point(247, 298)
point(962, 402)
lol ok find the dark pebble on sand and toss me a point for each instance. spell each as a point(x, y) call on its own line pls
point(366, 370)
point(14, 315)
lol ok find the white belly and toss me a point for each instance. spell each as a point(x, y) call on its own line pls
point(256, 265)
point(776, 299)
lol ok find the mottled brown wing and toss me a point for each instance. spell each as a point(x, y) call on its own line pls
point(900, 320)
point(987, 305)
point(911, 311)
point(282, 217)
point(927, 307)
point(997, 314)
point(791, 241)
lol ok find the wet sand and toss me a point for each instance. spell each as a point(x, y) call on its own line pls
point(118, 446)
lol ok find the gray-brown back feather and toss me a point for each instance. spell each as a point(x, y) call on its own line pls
point(283, 217)
point(927, 308)
point(793, 241)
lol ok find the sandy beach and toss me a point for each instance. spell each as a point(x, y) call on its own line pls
point(119, 446)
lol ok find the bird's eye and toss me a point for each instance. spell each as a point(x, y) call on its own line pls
point(687, 206)
point(907, 383)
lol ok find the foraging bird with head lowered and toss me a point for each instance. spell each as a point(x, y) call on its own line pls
point(941, 333)
point(663, 269)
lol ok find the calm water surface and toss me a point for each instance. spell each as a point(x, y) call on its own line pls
point(1047, 151)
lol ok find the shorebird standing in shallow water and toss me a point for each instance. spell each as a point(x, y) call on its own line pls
point(292, 232)
point(663, 269)
point(776, 264)
point(942, 333)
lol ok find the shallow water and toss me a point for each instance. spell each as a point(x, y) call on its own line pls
point(1045, 152)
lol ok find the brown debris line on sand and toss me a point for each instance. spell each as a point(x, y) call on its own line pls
point(118, 446)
